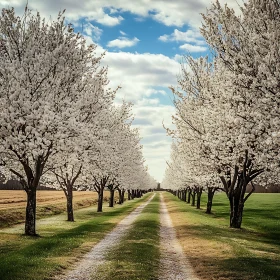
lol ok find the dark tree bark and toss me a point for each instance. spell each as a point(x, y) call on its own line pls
point(112, 187)
point(100, 200)
point(199, 193)
point(30, 217)
point(122, 196)
point(189, 195)
point(69, 198)
point(99, 186)
point(132, 194)
point(129, 194)
point(67, 184)
point(112, 196)
point(210, 195)
point(235, 188)
point(30, 183)
point(193, 195)
point(178, 194)
point(184, 196)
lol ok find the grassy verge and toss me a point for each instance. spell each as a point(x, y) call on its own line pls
point(137, 256)
point(218, 252)
point(61, 243)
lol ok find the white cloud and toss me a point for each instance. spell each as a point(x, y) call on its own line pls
point(156, 145)
point(168, 19)
point(176, 12)
point(139, 75)
point(139, 19)
point(191, 48)
point(179, 58)
point(113, 11)
point(123, 42)
point(109, 21)
point(148, 101)
point(190, 36)
point(152, 91)
point(182, 12)
point(92, 31)
point(123, 33)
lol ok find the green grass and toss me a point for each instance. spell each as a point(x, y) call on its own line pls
point(137, 256)
point(60, 242)
point(261, 214)
point(251, 252)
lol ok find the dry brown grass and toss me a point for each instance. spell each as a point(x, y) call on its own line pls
point(15, 198)
point(199, 250)
point(203, 254)
point(13, 203)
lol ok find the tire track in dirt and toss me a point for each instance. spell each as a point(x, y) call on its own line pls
point(89, 264)
point(173, 263)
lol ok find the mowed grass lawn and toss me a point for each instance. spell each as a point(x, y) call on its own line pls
point(60, 243)
point(13, 203)
point(219, 252)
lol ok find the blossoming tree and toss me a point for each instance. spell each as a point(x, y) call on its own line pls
point(41, 66)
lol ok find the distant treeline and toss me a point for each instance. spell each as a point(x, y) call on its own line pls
point(273, 188)
point(15, 185)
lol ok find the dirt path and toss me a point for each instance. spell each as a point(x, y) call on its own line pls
point(173, 264)
point(87, 267)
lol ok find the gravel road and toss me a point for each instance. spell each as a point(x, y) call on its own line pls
point(173, 263)
point(89, 264)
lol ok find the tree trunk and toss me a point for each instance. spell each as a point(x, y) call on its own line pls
point(235, 188)
point(112, 196)
point(193, 197)
point(185, 195)
point(129, 195)
point(122, 196)
point(199, 193)
point(211, 192)
point(100, 200)
point(69, 198)
point(132, 194)
point(236, 213)
point(189, 196)
point(30, 218)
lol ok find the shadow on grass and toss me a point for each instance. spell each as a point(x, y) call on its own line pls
point(242, 268)
point(34, 258)
point(257, 220)
point(254, 249)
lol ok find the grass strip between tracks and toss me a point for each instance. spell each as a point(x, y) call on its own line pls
point(137, 256)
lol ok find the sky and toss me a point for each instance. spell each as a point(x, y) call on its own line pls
point(145, 41)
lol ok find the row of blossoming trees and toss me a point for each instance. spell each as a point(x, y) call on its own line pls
point(227, 121)
point(58, 121)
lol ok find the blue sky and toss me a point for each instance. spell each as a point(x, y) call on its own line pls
point(144, 42)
